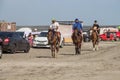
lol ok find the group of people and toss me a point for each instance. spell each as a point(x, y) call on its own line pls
point(55, 28)
point(76, 25)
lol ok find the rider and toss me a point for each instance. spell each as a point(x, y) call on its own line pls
point(55, 28)
point(96, 27)
point(77, 25)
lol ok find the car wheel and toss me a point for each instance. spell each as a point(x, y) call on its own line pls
point(1, 52)
point(27, 49)
point(62, 44)
point(13, 50)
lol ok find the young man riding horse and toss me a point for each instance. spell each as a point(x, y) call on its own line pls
point(95, 35)
point(96, 27)
point(77, 25)
point(55, 29)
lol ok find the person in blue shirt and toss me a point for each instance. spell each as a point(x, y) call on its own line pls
point(77, 25)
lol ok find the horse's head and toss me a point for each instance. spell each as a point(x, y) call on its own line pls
point(77, 36)
point(76, 31)
point(94, 34)
point(52, 37)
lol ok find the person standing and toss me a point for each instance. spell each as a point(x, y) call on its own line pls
point(30, 39)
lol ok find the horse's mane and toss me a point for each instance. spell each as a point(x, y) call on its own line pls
point(51, 37)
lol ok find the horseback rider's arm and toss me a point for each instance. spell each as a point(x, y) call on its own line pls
point(51, 27)
point(57, 26)
point(81, 27)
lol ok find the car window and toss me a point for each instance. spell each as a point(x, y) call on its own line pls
point(16, 35)
point(43, 34)
point(6, 34)
point(20, 33)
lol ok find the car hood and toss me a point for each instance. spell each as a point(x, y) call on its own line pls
point(41, 38)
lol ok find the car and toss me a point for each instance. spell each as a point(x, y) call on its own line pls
point(42, 41)
point(108, 37)
point(14, 41)
point(118, 35)
point(1, 48)
point(86, 36)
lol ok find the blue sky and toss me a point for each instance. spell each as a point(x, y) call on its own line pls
point(40, 12)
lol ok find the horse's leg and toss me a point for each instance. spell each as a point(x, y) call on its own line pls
point(79, 49)
point(76, 49)
point(97, 48)
point(52, 51)
point(93, 45)
point(56, 51)
point(57, 47)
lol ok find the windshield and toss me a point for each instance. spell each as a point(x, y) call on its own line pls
point(43, 34)
point(6, 34)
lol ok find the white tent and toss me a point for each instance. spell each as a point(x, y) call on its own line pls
point(26, 30)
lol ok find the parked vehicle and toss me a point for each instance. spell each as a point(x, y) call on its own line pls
point(118, 35)
point(14, 41)
point(86, 36)
point(108, 37)
point(1, 48)
point(42, 41)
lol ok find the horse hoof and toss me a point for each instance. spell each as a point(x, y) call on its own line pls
point(93, 49)
point(79, 53)
point(97, 49)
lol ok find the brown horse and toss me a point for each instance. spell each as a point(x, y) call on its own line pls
point(54, 43)
point(95, 39)
point(77, 40)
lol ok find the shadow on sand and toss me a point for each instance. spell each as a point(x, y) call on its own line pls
point(43, 57)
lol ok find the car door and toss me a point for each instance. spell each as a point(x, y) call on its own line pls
point(18, 41)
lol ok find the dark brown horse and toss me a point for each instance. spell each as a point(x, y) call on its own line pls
point(54, 43)
point(77, 40)
point(95, 39)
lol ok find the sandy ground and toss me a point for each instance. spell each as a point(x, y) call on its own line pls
point(103, 64)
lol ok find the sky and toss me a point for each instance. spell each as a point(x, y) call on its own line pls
point(41, 12)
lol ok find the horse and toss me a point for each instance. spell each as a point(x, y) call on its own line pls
point(95, 39)
point(77, 40)
point(54, 43)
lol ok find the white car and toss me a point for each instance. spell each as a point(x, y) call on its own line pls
point(42, 41)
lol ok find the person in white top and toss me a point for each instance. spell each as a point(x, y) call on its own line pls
point(55, 28)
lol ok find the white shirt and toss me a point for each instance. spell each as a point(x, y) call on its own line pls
point(54, 26)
